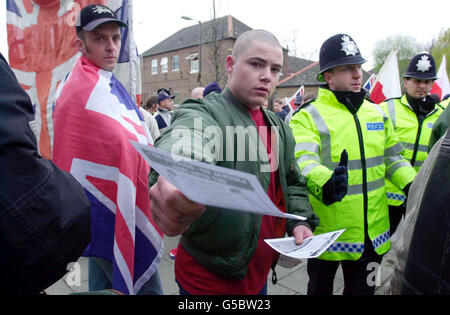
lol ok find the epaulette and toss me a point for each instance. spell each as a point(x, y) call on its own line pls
point(392, 98)
point(304, 105)
point(367, 98)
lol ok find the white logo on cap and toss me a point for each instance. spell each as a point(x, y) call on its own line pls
point(424, 64)
point(99, 9)
point(348, 46)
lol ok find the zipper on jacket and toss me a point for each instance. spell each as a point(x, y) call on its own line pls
point(364, 174)
point(354, 111)
point(416, 144)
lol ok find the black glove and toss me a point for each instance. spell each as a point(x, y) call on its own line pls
point(335, 188)
point(406, 189)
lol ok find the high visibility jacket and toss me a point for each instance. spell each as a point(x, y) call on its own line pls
point(444, 104)
point(322, 130)
point(414, 135)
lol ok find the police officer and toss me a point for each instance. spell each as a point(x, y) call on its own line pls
point(413, 116)
point(347, 195)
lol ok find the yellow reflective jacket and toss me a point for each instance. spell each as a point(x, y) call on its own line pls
point(322, 130)
point(413, 134)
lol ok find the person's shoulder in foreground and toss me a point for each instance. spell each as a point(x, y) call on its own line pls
point(39, 239)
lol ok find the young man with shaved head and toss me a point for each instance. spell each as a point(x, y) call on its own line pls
point(223, 251)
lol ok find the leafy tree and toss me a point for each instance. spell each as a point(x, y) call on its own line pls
point(440, 47)
point(405, 45)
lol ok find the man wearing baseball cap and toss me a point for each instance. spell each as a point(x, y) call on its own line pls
point(99, 35)
point(92, 98)
point(413, 116)
point(165, 107)
point(344, 147)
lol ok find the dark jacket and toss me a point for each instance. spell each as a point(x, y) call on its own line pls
point(285, 111)
point(225, 251)
point(44, 212)
point(427, 268)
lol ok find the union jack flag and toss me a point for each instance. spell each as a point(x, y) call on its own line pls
point(41, 40)
point(369, 83)
point(94, 119)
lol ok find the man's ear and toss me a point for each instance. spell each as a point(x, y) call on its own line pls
point(230, 64)
point(80, 46)
point(405, 81)
point(327, 77)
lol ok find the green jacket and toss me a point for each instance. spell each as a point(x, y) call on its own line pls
point(219, 130)
point(440, 127)
point(322, 130)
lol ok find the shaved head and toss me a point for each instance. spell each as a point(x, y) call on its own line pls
point(254, 67)
point(245, 39)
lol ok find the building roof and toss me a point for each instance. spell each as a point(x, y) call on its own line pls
point(227, 27)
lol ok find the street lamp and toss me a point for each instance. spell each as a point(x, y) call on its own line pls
point(199, 46)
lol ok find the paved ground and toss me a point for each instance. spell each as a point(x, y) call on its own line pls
point(290, 281)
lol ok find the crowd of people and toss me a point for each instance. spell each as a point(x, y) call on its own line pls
point(338, 160)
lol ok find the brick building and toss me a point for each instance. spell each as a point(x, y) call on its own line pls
point(174, 62)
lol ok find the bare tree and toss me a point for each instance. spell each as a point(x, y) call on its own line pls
point(216, 50)
point(406, 47)
point(293, 50)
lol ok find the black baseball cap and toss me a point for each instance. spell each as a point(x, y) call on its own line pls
point(93, 15)
point(164, 95)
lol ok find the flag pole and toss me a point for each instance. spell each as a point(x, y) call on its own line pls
point(132, 52)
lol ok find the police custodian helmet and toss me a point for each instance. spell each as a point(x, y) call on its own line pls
point(422, 66)
point(338, 50)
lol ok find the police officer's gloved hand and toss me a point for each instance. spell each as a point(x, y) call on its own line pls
point(406, 189)
point(335, 188)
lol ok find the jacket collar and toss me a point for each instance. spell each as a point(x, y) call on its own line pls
point(404, 101)
point(162, 110)
point(233, 100)
point(351, 100)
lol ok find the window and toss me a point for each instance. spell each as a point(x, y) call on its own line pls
point(194, 66)
point(175, 63)
point(194, 62)
point(164, 64)
point(155, 66)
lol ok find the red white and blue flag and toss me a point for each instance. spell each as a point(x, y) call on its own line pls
point(370, 82)
point(94, 121)
point(290, 102)
point(41, 40)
